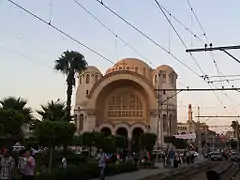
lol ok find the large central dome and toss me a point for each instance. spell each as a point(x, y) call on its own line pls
point(132, 64)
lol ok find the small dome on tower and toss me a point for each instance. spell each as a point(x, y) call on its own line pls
point(92, 70)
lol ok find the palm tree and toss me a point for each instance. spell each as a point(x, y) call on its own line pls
point(71, 64)
point(235, 127)
point(52, 111)
point(19, 105)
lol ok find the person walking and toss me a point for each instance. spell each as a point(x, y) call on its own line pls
point(7, 164)
point(102, 164)
point(27, 166)
point(171, 157)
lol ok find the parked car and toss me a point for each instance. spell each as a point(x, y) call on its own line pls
point(235, 157)
point(216, 156)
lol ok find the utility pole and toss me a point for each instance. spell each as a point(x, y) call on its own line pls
point(199, 133)
point(159, 124)
point(168, 126)
point(238, 136)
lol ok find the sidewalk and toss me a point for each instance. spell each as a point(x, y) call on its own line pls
point(143, 173)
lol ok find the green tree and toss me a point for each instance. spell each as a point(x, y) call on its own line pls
point(148, 140)
point(108, 144)
point(11, 122)
point(232, 143)
point(90, 139)
point(54, 133)
point(71, 64)
point(19, 105)
point(77, 141)
point(52, 111)
point(178, 143)
point(120, 141)
point(235, 126)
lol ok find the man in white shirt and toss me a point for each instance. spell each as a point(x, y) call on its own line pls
point(102, 160)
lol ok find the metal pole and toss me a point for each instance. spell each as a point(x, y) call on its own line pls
point(199, 133)
point(159, 111)
point(168, 122)
point(220, 48)
point(168, 126)
point(237, 136)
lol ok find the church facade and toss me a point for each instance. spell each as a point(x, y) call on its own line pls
point(124, 100)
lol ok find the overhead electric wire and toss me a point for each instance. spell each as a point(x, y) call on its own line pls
point(27, 42)
point(178, 35)
point(184, 44)
point(223, 80)
point(207, 39)
point(112, 32)
point(22, 55)
point(199, 23)
point(61, 31)
point(180, 23)
point(147, 37)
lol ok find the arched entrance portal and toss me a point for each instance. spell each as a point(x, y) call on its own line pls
point(122, 132)
point(136, 139)
point(106, 131)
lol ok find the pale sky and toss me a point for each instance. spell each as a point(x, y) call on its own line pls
point(28, 48)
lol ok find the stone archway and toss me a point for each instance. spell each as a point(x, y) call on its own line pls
point(114, 86)
point(106, 131)
point(122, 132)
point(136, 139)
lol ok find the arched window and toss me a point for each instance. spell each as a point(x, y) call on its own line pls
point(172, 78)
point(144, 71)
point(80, 79)
point(155, 79)
point(80, 127)
point(96, 78)
point(136, 69)
point(164, 77)
point(87, 79)
point(128, 68)
point(126, 105)
point(165, 122)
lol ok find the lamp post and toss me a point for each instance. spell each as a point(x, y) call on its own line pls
point(159, 124)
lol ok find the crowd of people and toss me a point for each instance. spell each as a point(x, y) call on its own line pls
point(25, 165)
point(171, 158)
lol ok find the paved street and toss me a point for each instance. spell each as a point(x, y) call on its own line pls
point(143, 173)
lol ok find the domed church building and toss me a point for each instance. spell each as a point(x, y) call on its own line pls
point(124, 100)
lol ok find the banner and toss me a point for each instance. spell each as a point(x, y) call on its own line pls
point(185, 136)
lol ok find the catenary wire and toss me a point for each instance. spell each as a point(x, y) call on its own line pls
point(149, 38)
point(178, 35)
point(61, 31)
point(112, 32)
point(207, 39)
point(180, 23)
point(184, 44)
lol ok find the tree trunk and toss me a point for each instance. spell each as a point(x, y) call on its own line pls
point(50, 158)
point(70, 80)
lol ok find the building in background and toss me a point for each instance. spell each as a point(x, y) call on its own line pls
point(124, 100)
point(204, 136)
point(231, 135)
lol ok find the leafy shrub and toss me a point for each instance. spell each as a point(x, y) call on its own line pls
point(86, 171)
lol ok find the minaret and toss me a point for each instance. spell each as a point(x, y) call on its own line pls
point(190, 113)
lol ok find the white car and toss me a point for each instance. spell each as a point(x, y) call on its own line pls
point(18, 148)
